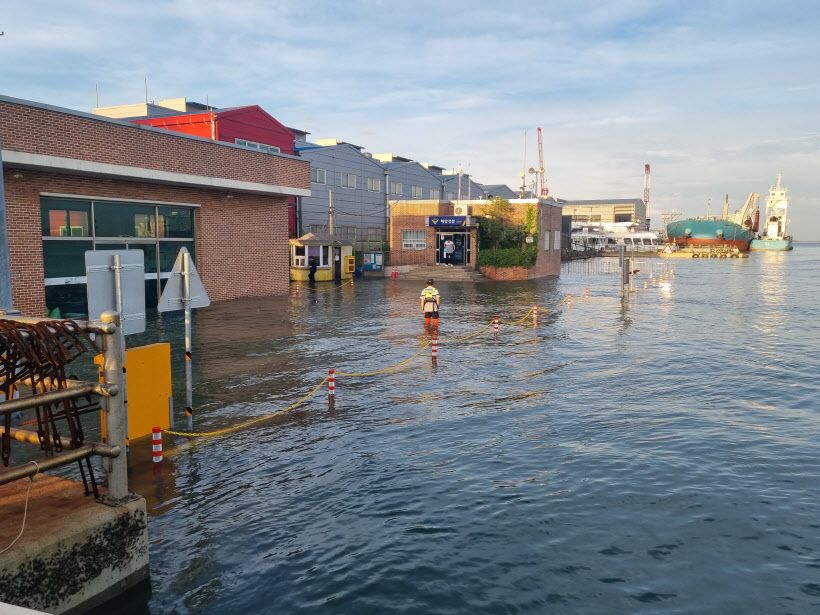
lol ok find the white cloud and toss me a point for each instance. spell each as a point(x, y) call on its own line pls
point(717, 97)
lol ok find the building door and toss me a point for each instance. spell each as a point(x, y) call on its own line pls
point(337, 263)
point(461, 256)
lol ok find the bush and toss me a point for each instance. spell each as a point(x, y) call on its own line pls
point(509, 257)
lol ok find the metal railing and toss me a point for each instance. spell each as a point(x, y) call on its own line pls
point(110, 342)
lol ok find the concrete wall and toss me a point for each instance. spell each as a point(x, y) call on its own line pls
point(75, 552)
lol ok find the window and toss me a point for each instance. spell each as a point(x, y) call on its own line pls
point(435, 194)
point(346, 232)
point(623, 217)
point(415, 191)
point(66, 219)
point(348, 180)
point(374, 184)
point(299, 256)
point(450, 196)
point(396, 188)
point(318, 176)
point(413, 240)
point(556, 244)
point(268, 149)
point(375, 233)
point(316, 228)
point(70, 227)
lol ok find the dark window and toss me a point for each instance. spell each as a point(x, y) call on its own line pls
point(64, 259)
point(623, 217)
point(124, 220)
point(176, 222)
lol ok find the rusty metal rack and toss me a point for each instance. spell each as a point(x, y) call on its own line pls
point(34, 354)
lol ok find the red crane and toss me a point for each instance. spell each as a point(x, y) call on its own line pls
point(646, 193)
point(544, 190)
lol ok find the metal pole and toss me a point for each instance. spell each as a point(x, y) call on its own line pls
point(186, 299)
point(117, 468)
point(117, 268)
point(5, 262)
point(29, 469)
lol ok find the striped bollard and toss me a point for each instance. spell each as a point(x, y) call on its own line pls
point(435, 348)
point(645, 284)
point(586, 293)
point(534, 314)
point(351, 281)
point(331, 384)
point(297, 288)
point(156, 438)
point(569, 299)
point(495, 326)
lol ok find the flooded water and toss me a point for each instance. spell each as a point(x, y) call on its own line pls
point(653, 455)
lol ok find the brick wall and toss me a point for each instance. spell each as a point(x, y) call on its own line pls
point(549, 260)
point(52, 132)
point(242, 242)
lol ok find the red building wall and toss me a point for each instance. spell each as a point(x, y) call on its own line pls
point(250, 123)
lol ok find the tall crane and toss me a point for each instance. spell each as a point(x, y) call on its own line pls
point(646, 193)
point(544, 190)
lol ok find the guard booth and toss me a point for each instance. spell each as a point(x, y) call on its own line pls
point(333, 256)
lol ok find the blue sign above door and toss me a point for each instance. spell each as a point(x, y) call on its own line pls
point(448, 221)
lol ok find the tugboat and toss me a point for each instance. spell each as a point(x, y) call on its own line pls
point(775, 236)
point(734, 230)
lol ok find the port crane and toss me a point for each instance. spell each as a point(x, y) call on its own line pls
point(544, 190)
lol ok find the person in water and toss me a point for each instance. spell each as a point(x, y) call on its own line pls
point(312, 272)
point(430, 302)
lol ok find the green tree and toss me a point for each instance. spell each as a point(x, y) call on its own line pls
point(501, 240)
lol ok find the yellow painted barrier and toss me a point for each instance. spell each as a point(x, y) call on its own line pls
point(149, 388)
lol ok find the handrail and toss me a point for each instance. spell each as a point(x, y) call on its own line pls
point(111, 344)
point(81, 389)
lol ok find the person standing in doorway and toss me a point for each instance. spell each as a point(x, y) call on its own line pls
point(449, 248)
point(312, 271)
point(430, 301)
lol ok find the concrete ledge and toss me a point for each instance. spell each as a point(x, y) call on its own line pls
point(75, 552)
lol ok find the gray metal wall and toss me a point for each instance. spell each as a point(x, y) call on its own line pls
point(357, 207)
point(410, 174)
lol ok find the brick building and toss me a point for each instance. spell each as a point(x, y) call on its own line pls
point(248, 126)
point(419, 230)
point(76, 181)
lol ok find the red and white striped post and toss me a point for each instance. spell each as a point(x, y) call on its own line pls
point(569, 299)
point(495, 328)
point(331, 384)
point(534, 313)
point(351, 281)
point(395, 272)
point(156, 438)
point(586, 293)
point(435, 348)
point(297, 288)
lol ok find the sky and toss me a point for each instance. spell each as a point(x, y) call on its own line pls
point(718, 97)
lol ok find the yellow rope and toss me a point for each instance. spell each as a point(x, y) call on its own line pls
point(387, 369)
point(250, 422)
point(259, 419)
